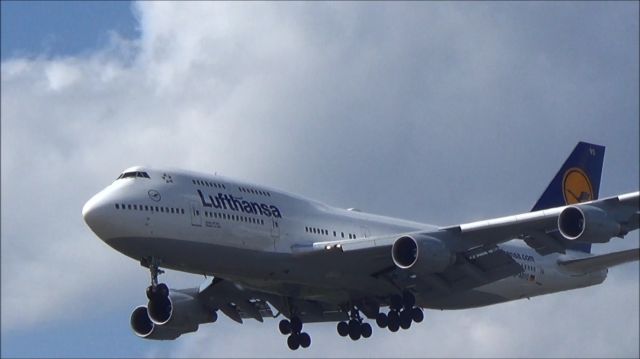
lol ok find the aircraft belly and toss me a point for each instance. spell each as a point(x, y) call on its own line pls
point(277, 272)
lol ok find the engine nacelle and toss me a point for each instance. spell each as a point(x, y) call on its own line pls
point(421, 254)
point(178, 310)
point(587, 224)
point(145, 328)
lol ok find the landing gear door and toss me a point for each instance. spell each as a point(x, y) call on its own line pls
point(196, 220)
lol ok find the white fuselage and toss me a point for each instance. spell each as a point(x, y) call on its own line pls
point(217, 226)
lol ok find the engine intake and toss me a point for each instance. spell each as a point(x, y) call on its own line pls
point(421, 254)
point(587, 224)
point(179, 310)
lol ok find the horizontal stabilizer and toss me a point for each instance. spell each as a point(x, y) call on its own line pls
point(590, 264)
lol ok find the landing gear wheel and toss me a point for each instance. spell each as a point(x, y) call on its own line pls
point(408, 299)
point(150, 292)
point(393, 321)
point(293, 342)
point(162, 290)
point(366, 330)
point(296, 325)
point(396, 302)
point(304, 339)
point(354, 330)
point(343, 329)
point(417, 314)
point(406, 317)
point(405, 323)
point(285, 327)
point(394, 326)
point(382, 320)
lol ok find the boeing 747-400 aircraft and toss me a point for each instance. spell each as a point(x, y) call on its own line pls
point(268, 251)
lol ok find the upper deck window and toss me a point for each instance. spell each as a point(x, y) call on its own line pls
point(133, 174)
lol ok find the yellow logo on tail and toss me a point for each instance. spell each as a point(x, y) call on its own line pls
point(576, 186)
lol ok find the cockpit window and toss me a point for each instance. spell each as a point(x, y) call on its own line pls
point(133, 174)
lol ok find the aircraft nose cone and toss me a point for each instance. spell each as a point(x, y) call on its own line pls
point(94, 214)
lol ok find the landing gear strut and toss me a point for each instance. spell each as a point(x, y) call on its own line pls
point(402, 312)
point(354, 328)
point(155, 290)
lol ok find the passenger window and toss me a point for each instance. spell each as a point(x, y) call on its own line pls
point(117, 206)
point(334, 233)
point(128, 206)
point(342, 234)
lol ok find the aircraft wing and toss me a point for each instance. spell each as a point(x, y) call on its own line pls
point(590, 264)
point(533, 227)
point(478, 260)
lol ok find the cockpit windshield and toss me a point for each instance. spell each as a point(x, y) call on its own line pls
point(133, 174)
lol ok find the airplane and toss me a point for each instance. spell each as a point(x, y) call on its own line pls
point(265, 250)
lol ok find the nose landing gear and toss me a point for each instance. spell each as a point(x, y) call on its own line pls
point(155, 290)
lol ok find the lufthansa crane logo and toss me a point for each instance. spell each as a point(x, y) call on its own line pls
point(154, 195)
point(576, 186)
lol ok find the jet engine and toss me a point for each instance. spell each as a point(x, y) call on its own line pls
point(167, 317)
point(421, 254)
point(587, 224)
point(145, 328)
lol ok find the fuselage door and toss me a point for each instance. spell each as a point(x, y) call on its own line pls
point(196, 219)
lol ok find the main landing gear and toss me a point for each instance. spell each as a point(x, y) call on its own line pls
point(354, 328)
point(297, 338)
point(402, 312)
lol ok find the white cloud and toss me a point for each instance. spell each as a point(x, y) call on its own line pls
point(450, 113)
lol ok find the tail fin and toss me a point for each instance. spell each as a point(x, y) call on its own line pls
point(577, 181)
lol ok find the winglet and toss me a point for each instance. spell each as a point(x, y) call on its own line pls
point(578, 180)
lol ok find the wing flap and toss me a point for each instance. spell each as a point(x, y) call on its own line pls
point(234, 301)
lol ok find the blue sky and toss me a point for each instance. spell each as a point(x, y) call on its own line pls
point(452, 112)
point(56, 28)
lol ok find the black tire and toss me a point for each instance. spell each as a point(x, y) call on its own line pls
point(343, 329)
point(293, 342)
point(406, 316)
point(405, 322)
point(162, 290)
point(396, 302)
point(382, 320)
point(354, 330)
point(408, 299)
point(417, 315)
point(394, 326)
point(150, 292)
point(285, 327)
point(366, 330)
point(304, 339)
point(393, 318)
point(296, 325)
